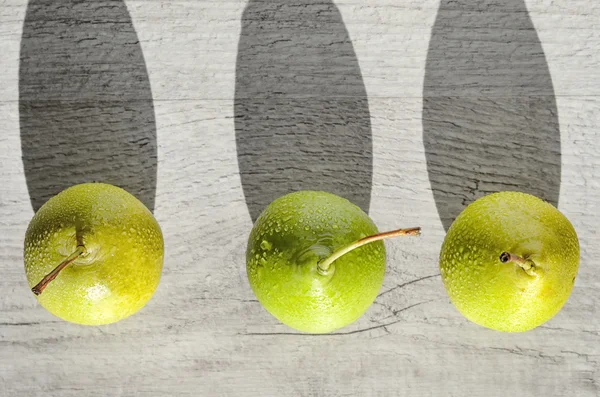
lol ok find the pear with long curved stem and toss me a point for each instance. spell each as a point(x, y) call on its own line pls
point(309, 264)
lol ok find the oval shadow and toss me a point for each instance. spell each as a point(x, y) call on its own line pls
point(302, 117)
point(85, 102)
point(490, 121)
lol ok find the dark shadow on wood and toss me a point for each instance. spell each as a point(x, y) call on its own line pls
point(490, 120)
point(302, 117)
point(86, 109)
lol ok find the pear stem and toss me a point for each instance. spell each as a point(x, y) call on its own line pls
point(41, 286)
point(323, 267)
point(525, 264)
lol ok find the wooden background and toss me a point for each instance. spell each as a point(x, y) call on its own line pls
point(204, 333)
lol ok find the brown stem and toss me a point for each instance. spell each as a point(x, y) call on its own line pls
point(525, 264)
point(41, 286)
point(323, 267)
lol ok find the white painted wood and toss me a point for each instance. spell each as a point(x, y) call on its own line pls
point(203, 333)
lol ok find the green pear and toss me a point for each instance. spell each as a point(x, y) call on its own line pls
point(109, 252)
point(509, 261)
point(316, 261)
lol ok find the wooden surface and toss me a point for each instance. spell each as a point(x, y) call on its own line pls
point(204, 333)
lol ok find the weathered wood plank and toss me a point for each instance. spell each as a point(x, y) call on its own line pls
point(204, 333)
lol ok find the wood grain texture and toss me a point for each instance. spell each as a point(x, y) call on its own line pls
point(301, 111)
point(204, 333)
point(85, 103)
point(488, 105)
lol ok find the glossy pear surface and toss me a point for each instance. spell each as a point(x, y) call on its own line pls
point(291, 236)
point(505, 296)
point(122, 264)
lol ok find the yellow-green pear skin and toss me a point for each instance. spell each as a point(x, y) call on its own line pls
point(122, 265)
point(504, 296)
point(291, 236)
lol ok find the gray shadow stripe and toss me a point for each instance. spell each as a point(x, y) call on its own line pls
point(490, 121)
point(302, 117)
point(85, 101)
